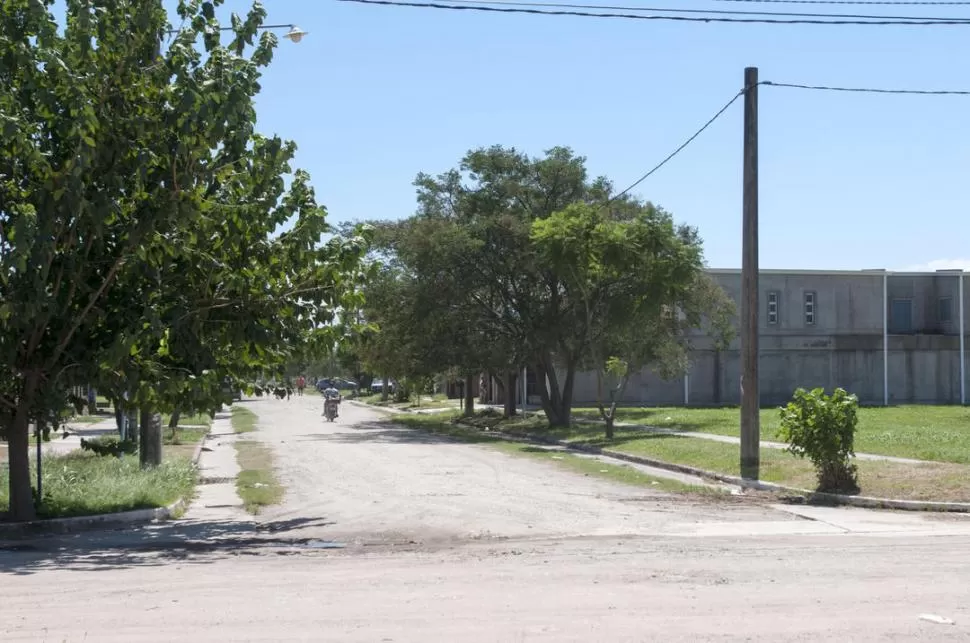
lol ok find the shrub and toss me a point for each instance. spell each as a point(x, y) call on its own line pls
point(109, 445)
point(822, 428)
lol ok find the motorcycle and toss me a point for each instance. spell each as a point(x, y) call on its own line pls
point(330, 409)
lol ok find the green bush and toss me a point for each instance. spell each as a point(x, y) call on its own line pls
point(109, 445)
point(822, 428)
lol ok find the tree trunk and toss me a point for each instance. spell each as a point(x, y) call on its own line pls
point(509, 409)
point(134, 433)
point(469, 395)
point(150, 438)
point(556, 403)
point(384, 390)
point(18, 455)
point(119, 418)
point(609, 424)
point(173, 423)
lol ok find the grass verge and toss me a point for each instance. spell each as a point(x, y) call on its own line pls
point(202, 419)
point(617, 472)
point(257, 484)
point(424, 402)
point(243, 420)
point(84, 484)
point(937, 433)
point(182, 442)
point(923, 481)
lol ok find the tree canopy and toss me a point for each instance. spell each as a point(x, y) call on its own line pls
point(140, 212)
point(514, 260)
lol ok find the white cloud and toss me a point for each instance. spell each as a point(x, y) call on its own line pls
point(938, 264)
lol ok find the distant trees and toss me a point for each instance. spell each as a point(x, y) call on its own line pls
point(512, 260)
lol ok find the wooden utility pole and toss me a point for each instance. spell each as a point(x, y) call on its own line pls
point(750, 398)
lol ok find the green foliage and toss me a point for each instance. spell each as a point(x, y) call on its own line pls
point(515, 260)
point(635, 288)
point(141, 242)
point(109, 445)
point(822, 428)
point(617, 367)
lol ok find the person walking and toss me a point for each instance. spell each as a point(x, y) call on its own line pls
point(300, 385)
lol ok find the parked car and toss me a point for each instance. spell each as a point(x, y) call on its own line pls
point(377, 386)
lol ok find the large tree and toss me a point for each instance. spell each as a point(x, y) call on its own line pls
point(486, 208)
point(635, 287)
point(135, 200)
point(538, 250)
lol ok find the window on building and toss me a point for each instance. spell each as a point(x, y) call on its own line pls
point(810, 308)
point(773, 307)
point(901, 316)
point(946, 310)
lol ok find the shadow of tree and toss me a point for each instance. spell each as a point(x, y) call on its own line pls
point(189, 542)
point(390, 432)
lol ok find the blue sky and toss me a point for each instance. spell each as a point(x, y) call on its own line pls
point(377, 94)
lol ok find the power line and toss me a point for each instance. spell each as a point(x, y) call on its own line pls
point(682, 145)
point(720, 112)
point(871, 90)
point(873, 3)
point(679, 18)
point(716, 12)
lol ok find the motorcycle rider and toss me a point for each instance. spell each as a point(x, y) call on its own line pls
point(331, 393)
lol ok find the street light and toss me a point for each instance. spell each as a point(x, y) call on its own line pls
point(295, 34)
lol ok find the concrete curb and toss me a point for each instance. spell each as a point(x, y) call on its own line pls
point(810, 497)
point(85, 523)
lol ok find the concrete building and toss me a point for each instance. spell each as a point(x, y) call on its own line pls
point(888, 337)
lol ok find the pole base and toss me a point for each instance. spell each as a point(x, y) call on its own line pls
point(750, 468)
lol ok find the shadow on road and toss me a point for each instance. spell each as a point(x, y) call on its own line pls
point(383, 432)
point(197, 542)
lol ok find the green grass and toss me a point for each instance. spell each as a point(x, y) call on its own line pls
point(257, 484)
point(579, 464)
point(940, 433)
point(924, 481)
point(438, 401)
point(202, 419)
point(243, 420)
point(82, 484)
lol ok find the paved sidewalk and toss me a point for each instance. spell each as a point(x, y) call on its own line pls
point(217, 498)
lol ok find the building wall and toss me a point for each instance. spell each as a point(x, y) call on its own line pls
point(843, 348)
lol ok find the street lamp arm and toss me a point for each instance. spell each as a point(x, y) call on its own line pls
point(294, 34)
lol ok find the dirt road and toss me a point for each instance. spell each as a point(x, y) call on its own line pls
point(447, 541)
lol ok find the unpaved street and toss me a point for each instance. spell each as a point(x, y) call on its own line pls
point(443, 541)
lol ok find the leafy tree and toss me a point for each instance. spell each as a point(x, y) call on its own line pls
point(488, 206)
point(136, 207)
point(633, 287)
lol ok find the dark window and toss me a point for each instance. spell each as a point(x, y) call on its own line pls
point(901, 317)
point(946, 310)
point(810, 309)
point(773, 307)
